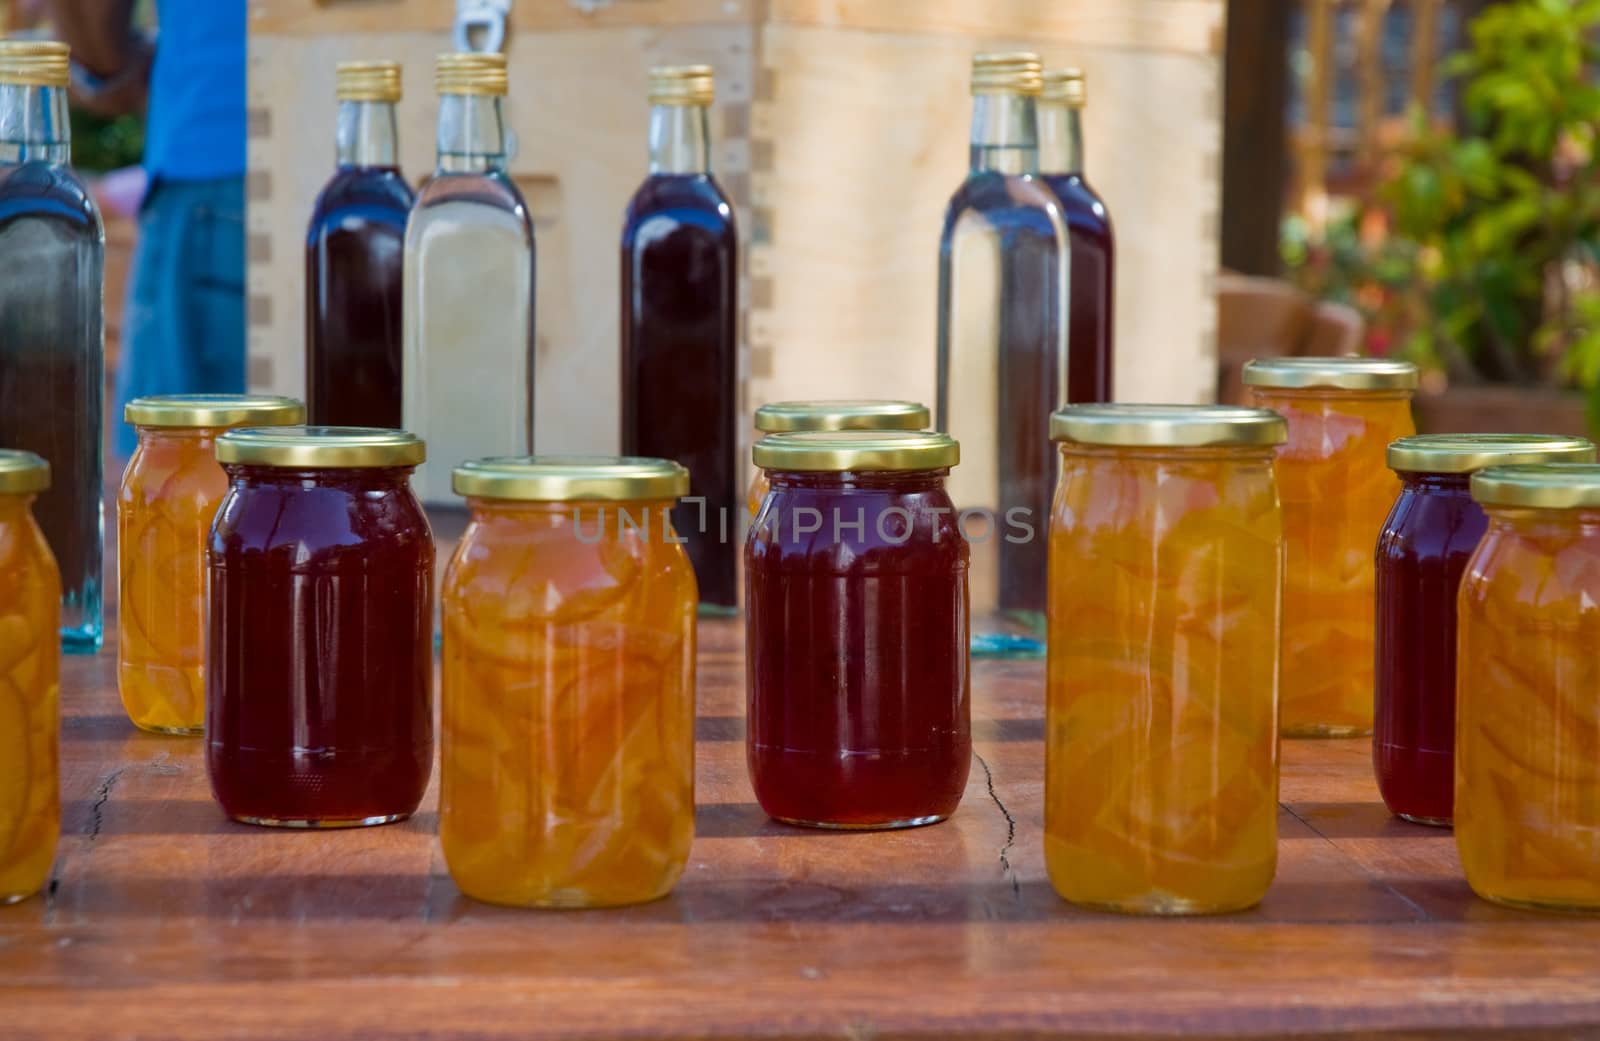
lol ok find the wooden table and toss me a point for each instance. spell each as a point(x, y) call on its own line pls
point(166, 921)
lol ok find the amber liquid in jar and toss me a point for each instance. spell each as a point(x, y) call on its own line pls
point(319, 708)
point(1336, 491)
point(30, 715)
point(1527, 794)
point(567, 756)
point(859, 697)
point(1161, 744)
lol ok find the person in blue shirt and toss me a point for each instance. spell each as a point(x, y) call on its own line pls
point(184, 327)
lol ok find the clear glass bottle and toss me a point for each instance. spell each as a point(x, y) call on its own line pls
point(680, 346)
point(469, 277)
point(52, 343)
point(355, 250)
point(1090, 307)
point(1003, 352)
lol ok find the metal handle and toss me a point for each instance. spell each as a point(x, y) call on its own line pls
point(484, 18)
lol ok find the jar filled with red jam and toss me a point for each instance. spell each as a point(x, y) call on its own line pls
point(857, 631)
point(1422, 553)
point(319, 656)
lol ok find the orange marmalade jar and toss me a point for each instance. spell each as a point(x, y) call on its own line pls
point(567, 756)
point(30, 667)
point(782, 417)
point(169, 496)
point(1527, 793)
point(1337, 490)
point(1161, 710)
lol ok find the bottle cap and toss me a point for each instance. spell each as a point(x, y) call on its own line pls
point(471, 73)
point(1065, 87)
point(1331, 373)
point(368, 81)
point(1466, 453)
point(682, 85)
point(34, 63)
point(22, 473)
point(1168, 426)
point(841, 415)
point(571, 478)
point(1012, 73)
point(214, 410)
point(1551, 486)
point(320, 448)
point(856, 450)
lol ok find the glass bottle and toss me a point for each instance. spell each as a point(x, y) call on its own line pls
point(1161, 714)
point(355, 249)
point(30, 675)
point(52, 345)
point(1527, 794)
point(1090, 308)
point(469, 277)
point(680, 350)
point(1002, 365)
point(856, 629)
point(1336, 490)
point(567, 701)
point(1422, 553)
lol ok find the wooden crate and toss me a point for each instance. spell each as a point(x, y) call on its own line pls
point(840, 132)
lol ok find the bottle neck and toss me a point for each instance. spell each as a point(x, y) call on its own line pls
point(1060, 139)
point(680, 140)
point(367, 134)
point(1005, 134)
point(34, 125)
point(472, 133)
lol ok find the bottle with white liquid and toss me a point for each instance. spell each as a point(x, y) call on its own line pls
point(469, 278)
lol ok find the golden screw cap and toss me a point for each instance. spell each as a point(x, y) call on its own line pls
point(22, 473)
point(1011, 73)
point(34, 63)
point(571, 478)
point(1065, 87)
point(368, 81)
point(682, 85)
point(471, 73)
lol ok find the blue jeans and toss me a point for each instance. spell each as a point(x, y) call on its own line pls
point(184, 327)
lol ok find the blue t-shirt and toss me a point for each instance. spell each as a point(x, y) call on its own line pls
point(195, 127)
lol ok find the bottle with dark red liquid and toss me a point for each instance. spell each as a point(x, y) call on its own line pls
point(680, 260)
point(355, 250)
point(1092, 258)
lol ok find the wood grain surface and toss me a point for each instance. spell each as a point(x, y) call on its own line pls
point(164, 920)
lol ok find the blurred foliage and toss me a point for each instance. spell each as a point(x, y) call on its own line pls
point(1479, 254)
point(101, 144)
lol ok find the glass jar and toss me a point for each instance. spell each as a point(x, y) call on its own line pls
point(1527, 806)
point(787, 417)
point(168, 498)
point(1422, 552)
point(1336, 491)
point(856, 618)
point(1161, 710)
point(567, 765)
point(30, 670)
point(319, 654)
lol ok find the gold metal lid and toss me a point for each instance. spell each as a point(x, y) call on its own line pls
point(319, 448)
point(571, 478)
point(471, 73)
point(34, 63)
point(1016, 72)
point(1466, 453)
point(1168, 426)
point(1065, 87)
point(841, 415)
point(1550, 486)
point(682, 85)
point(368, 81)
point(22, 473)
point(1350, 373)
point(214, 410)
point(843, 450)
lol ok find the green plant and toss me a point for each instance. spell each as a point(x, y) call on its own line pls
point(1504, 213)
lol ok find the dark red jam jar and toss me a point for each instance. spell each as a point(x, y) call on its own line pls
point(1422, 554)
point(319, 663)
point(857, 631)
